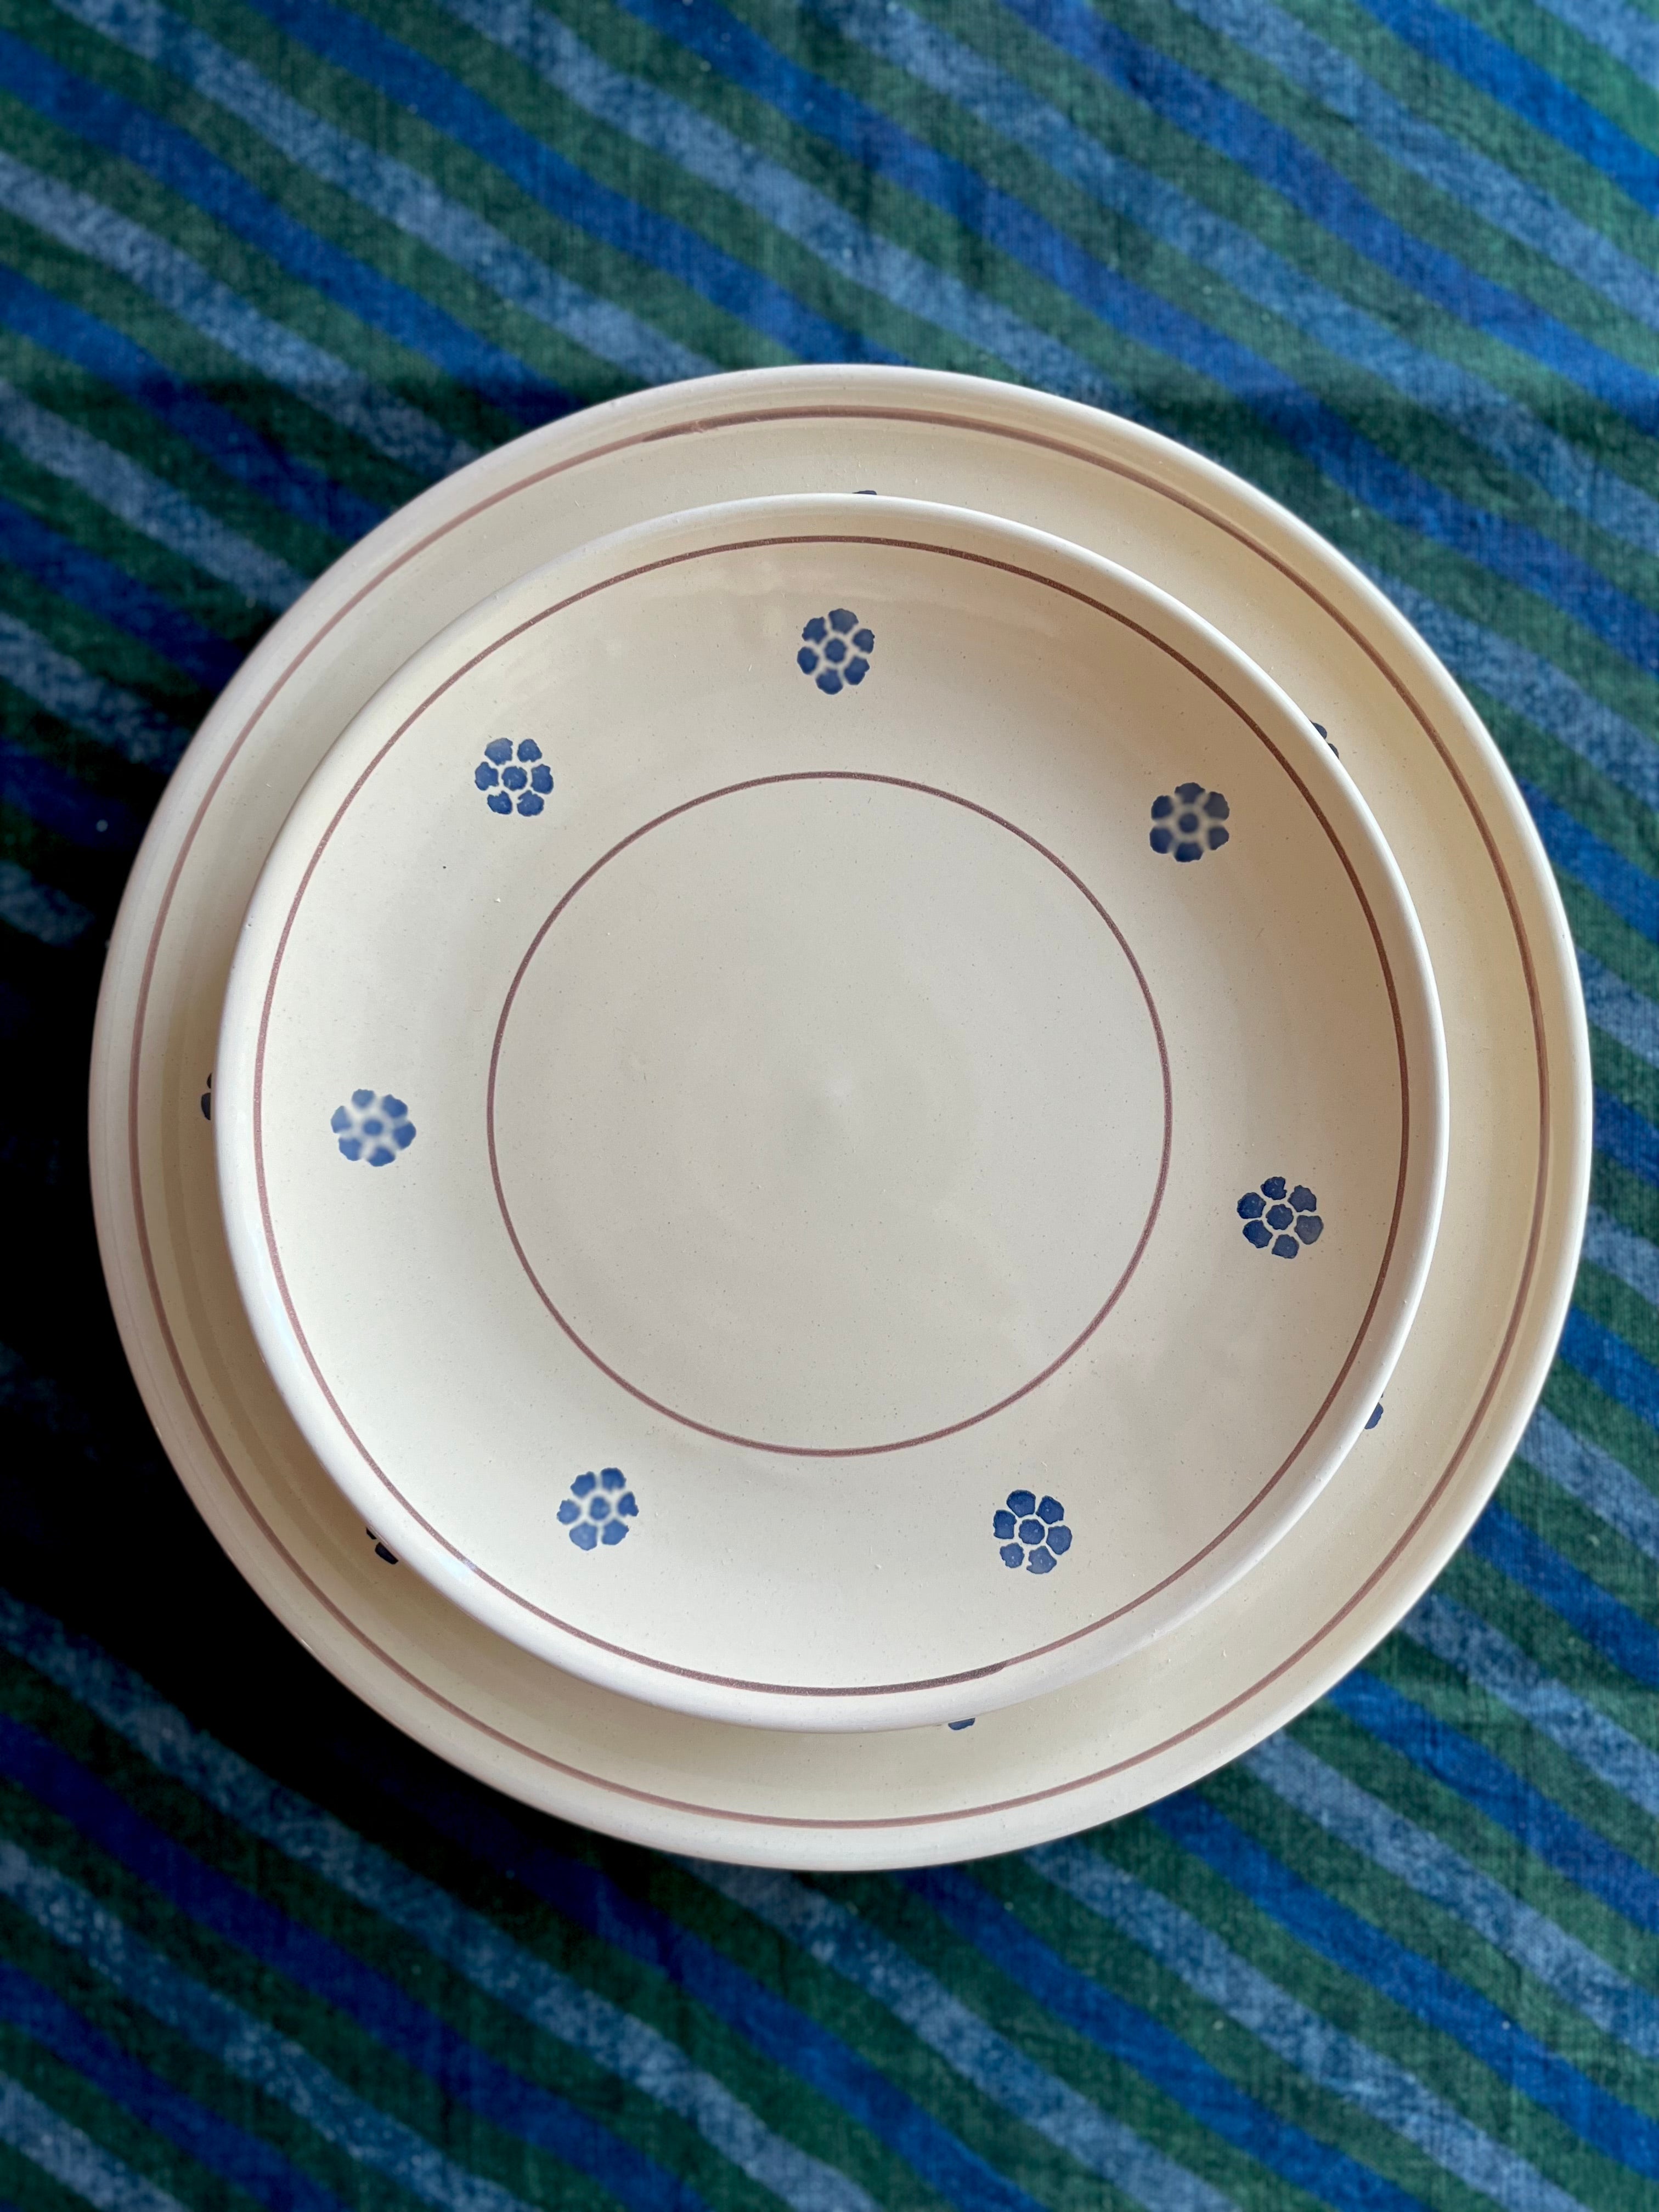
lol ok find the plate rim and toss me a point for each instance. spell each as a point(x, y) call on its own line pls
point(795, 394)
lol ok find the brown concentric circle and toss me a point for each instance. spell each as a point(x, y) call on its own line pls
point(1264, 1489)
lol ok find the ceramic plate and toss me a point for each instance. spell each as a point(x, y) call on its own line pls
point(1456, 1403)
point(832, 1112)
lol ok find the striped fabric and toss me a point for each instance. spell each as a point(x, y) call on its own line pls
point(268, 267)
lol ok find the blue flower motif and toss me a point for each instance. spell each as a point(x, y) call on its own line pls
point(1278, 1220)
point(1033, 1532)
point(593, 1514)
point(835, 650)
point(1188, 821)
point(503, 780)
point(372, 1127)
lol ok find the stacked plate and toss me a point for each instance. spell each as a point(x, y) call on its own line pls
point(841, 1117)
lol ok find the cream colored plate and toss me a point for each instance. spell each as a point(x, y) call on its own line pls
point(827, 1114)
point(1457, 1400)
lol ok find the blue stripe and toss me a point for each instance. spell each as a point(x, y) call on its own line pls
point(1479, 410)
point(1568, 1845)
point(1621, 1253)
point(1612, 1364)
point(242, 2160)
point(114, 597)
point(185, 166)
point(1510, 203)
point(284, 480)
point(1594, 1478)
point(433, 94)
point(488, 1831)
point(459, 2068)
point(1631, 893)
point(1625, 33)
point(1623, 1136)
point(1618, 1011)
point(1279, 159)
point(1618, 1633)
point(1298, 416)
point(60, 802)
point(41, 910)
point(1415, 1983)
point(1533, 688)
point(1143, 2043)
point(1527, 90)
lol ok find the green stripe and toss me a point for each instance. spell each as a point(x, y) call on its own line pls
point(529, 2051)
point(1131, 130)
point(1115, 2087)
point(1410, 434)
point(1411, 1790)
point(344, 100)
point(115, 654)
point(1448, 1696)
point(1584, 1539)
point(1448, 101)
point(128, 427)
point(1633, 1201)
point(115, 2127)
point(1610, 938)
point(25, 2187)
point(1359, 2008)
point(1584, 67)
point(1389, 1903)
point(1613, 1303)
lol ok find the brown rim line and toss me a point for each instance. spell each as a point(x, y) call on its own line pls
point(435, 1535)
point(971, 1421)
point(1109, 466)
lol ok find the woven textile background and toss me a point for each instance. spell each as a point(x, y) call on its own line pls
point(267, 267)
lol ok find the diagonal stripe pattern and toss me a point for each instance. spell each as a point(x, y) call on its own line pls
point(268, 268)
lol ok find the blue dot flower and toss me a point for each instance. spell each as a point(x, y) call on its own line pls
point(1188, 821)
point(507, 778)
point(1279, 1220)
point(593, 1514)
point(1031, 1532)
point(835, 650)
point(374, 1127)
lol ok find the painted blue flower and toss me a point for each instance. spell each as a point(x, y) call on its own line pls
point(593, 1514)
point(374, 1127)
point(1188, 821)
point(1031, 1531)
point(1278, 1220)
point(506, 781)
point(835, 650)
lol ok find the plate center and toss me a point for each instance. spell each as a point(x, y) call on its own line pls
point(830, 1113)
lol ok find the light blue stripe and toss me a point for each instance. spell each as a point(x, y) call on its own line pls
point(473, 1945)
point(1506, 201)
point(391, 189)
point(1622, 1012)
point(1625, 33)
point(242, 2044)
point(1622, 1253)
point(1532, 687)
point(849, 1947)
point(1569, 1968)
point(184, 286)
point(1594, 1478)
point(1338, 2062)
point(1466, 1642)
point(145, 503)
point(58, 2148)
point(63, 688)
point(670, 128)
point(1482, 412)
point(38, 910)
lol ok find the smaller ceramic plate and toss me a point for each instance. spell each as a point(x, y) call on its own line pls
point(831, 1112)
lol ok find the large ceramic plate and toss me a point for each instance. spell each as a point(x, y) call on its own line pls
point(825, 1087)
point(1457, 1403)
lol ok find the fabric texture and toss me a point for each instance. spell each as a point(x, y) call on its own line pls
point(267, 268)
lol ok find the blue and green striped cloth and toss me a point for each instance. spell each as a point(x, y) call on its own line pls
point(267, 268)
